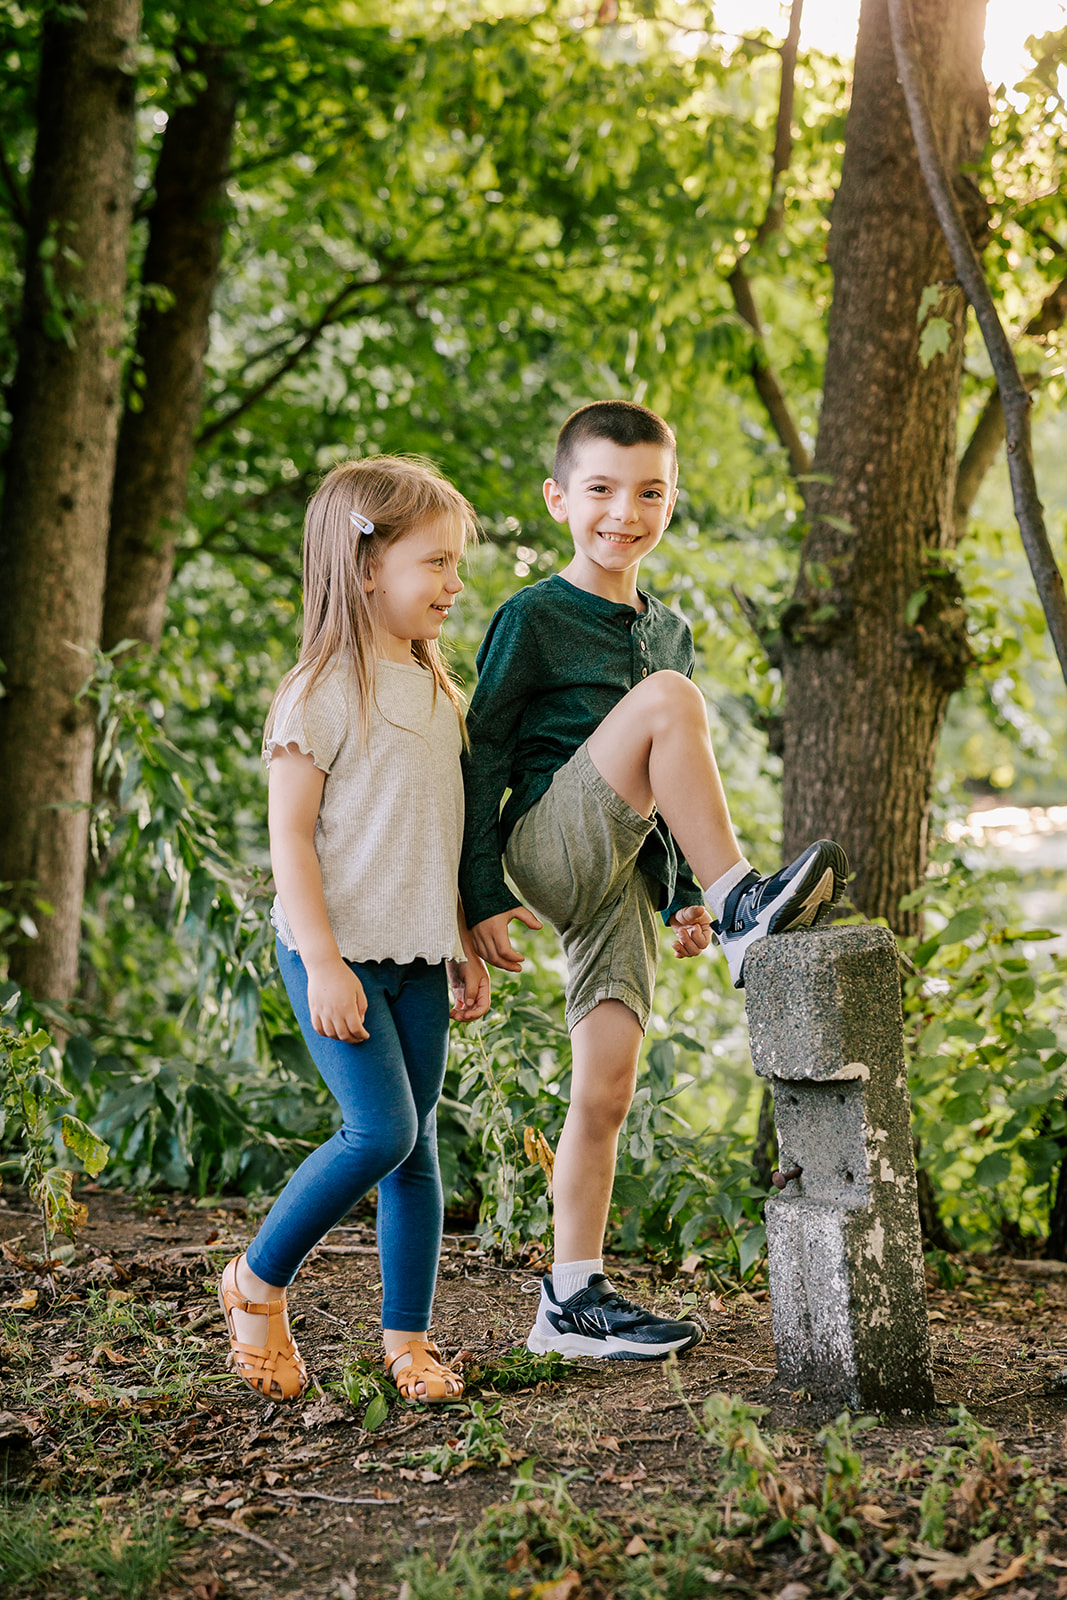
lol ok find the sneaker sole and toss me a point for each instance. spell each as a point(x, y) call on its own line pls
point(819, 884)
point(610, 1348)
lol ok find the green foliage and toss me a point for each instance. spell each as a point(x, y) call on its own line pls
point(33, 1119)
point(984, 1006)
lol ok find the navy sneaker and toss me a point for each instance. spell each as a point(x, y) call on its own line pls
point(791, 898)
point(598, 1322)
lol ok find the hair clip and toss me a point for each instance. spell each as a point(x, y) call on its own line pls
point(361, 524)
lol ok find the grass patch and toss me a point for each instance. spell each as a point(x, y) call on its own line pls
point(834, 1523)
point(46, 1551)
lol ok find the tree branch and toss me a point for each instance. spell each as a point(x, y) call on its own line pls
point(1013, 394)
point(988, 434)
point(764, 377)
point(783, 132)
point(335, 311)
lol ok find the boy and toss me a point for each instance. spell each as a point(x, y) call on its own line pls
point(585, 710)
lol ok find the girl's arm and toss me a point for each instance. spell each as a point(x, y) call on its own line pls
point(469, 978)
point(335, 995)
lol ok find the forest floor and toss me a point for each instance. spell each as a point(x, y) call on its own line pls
point(132, 1465)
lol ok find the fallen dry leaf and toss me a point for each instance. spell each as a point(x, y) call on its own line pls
point(27, 1301)
point(943, 1567)
point(637, 1546)
point(569, 1587)
point(93, 1402)
point(793, 1591)
point(875, 1516)
point(828, 1542)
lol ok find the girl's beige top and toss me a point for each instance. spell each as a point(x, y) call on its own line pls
point(390, 823)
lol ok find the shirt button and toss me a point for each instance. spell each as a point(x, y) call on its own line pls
point(644, 672)
point(642, 644)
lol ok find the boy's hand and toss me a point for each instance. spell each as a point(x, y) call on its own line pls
point(693, 926)
point(493, 943)
point(337, 1002)
point(471, 987)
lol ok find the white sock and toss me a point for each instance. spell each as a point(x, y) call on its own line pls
point(715, 897)
point(570, 1276)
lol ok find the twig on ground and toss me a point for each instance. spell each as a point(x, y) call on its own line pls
point(246, 1533)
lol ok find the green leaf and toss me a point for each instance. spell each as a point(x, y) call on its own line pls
point(629, 1190)
point(992, 1170)
point(935, 340)
point(90, 1149)
point(376, 1413)
point(750, 1247)
point(915, 604)
point(929, 298)
point(963, 925)
point(963, 1108)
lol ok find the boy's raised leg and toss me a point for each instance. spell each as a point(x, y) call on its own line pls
point(654, 748)
point(594, 1320)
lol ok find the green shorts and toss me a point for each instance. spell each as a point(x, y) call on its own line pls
point(573, 858)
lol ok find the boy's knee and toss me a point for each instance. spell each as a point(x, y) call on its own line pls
point(670, 694)
point(603, 1104)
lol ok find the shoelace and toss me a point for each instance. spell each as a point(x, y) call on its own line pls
point(615, 1302)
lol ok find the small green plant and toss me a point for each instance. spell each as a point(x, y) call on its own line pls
point(515, 1369)
point(481, 1442)
point(364, 1384)
point(32, 1098)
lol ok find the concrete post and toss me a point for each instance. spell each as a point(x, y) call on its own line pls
point(848, 1296)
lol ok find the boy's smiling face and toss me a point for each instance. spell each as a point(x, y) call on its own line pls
point(617, 501)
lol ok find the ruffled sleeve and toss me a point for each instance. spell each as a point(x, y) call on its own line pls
point(316, 723)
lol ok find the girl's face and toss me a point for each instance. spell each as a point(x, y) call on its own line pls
point(412, 586)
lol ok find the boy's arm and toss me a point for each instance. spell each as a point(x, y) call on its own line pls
point(507, 667)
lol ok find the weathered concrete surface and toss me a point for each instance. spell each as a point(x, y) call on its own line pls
point(848, 1296)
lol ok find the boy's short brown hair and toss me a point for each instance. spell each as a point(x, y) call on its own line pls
point(621, 421)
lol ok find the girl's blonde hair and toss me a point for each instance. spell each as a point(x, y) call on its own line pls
point(398, 494)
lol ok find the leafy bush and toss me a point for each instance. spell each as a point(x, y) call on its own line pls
point(986, 1017)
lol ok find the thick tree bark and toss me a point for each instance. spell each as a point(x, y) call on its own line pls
point(874, 639)
point(59, 469)
point(187, 224)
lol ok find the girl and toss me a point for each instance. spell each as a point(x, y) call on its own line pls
point(362, 746)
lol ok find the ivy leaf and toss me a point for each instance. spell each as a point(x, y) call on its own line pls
point(935, 340)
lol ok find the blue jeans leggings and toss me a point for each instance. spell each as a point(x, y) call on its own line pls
point(387, 1087)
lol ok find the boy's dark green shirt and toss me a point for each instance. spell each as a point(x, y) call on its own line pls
point(554, 662)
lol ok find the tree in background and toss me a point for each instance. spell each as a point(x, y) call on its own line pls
point(65, 405)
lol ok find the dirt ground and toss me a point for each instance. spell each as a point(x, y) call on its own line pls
point(303, 1501)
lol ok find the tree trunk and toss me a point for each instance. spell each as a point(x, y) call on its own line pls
point(874, 638)
point(60, 466)
point(187, 224)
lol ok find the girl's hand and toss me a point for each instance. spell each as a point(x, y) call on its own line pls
point(337, 1002)
point(471, 987)
point(693, 926)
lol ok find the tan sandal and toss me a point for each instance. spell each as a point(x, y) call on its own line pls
point(275, 1369)
point(424, 1368)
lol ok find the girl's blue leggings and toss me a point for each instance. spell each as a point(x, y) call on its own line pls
point(387, 1087)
